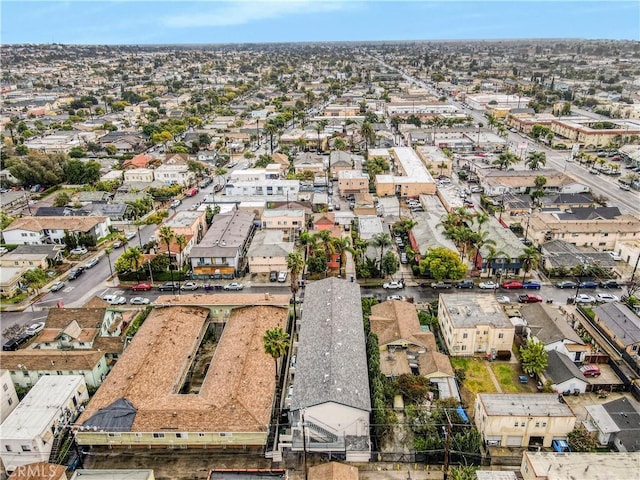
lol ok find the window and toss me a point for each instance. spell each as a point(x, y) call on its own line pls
point(464, 335)
point(515, 424)
point(522, 424)
point(10, 401)
point(25, 448)
point(501, 335)
point(464, 347)
point(537, 424)
point(544, 424)
point(158, 435)
point(182, 435)
point(8, 447)
point(5, 387)
point(201, 434)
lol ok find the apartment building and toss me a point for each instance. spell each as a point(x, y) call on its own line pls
point(410, 177)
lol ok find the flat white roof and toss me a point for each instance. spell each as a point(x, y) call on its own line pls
point(585, 466)
point(415, 170)
point(38, 409)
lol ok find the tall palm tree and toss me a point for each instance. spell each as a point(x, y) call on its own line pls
point(319, 127)
point(492, 254)
point(368, 135)
point(166, 235)
point(181, 241)
point(295, 265)
point(276, 341)
point(270, 129)
point(107, 253)
point(530, 259)
point(381, 241)
point(133, 255)
point(504, 160)
point(535, 160)
point(478, 240)
point(481, 219)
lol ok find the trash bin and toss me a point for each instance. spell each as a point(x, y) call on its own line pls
point(352, 279)
point(570, 301)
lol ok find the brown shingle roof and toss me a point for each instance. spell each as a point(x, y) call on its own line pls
point(223, 299)
point(236, 394)
point(44, 360)
point(333, 471)
point(37, 224)
point(86, 317)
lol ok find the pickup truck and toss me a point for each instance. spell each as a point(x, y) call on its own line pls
point(441, 285)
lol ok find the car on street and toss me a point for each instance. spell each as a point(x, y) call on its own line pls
point(584, 298)
point(75, 273)
point(119, 243)
point(588, 284)
point(34, 329)
point(512, 285)
point(610, 284)
point(92, 263)
point(529, 298)
point(615, 256)
point(590, 370)
point(16, 342)
point(130, 235)
point(189, 286)
point(503, 299)
point(141, 287)
point(624, 187)
point(139, 301)
point(566, 284)
point(234, 286)
point(531, 285)
point(78, 251)
point(169, 287)
point(396, 297)
point(465, 284)
point(115, 299)
point(57, 286)
point(176, 203)
point(488, 285)
point(393, 285)
point(607, 297)
point(441, 285)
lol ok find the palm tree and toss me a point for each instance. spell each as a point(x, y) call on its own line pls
point(270, 129)
point(368, 135)
point(181, 241)
point(107, 253)
point(481, 219)
point(530, 259)
point(295, 265)
point(276, 342)
point(320, 126)
point(492, 254)
point(133, 255)
point(478, 240)
point(504, 160)
point(535, 160)
point(166, 235)
point(381, 240)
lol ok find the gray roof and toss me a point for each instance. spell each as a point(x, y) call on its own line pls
point(621, 321)
point(331, 362)
point(560, 368)
point(587, 213)
point(627, 418)
point(117, 417)
point(469, 311)
point(506, 240)
point(564, 254)
point(547, 324)
point(52, 251)
point(538, 404)
point(225, 236)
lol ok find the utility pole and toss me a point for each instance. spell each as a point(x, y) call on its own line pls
point(304, 446)
point(447, 437)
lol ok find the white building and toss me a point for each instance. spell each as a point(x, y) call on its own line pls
point(41, 230)
point(174, 173)
point(28, 434)
point(8, 396)
point(142, 175)
point(262, 182)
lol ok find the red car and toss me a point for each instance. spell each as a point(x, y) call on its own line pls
point(512, 285)
point(529, 298)
point(141, 287)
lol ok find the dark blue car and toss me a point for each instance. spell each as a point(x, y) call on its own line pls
point(531, 285)
point(588, 284)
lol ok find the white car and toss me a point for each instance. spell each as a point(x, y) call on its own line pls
point(114, 299)
point(503, 299)
point(189, 286)
point(393, 285)
point(584, 298)
point(607, 297)
point(488, 285)
point(92, 263)
point(78, 251)
point(130, 235)
point(139, 301)
point(616, 257)
point(396, 297)
point(35, 329)
point(234, 286)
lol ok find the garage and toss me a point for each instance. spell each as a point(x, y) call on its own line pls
point(514, 441)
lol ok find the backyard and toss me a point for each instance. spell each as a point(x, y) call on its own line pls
point(508, 377)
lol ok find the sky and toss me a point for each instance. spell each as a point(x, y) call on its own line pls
point(264, 21)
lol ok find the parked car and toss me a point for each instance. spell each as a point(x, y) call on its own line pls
point(57, 286)
point(441, 285)
point(396, 297)
point(141, 287)
point(119, 243)
point(176, 203)
point(503, 299)
point(588, 284)
point(92, 263)
point(624, 187)
point(16, 342)
point(610, 284)
point(234, 286)
point(488, 285)
point(615, 256)
point(465, 284)
point(531, 285)
point(34, 329)
point(512, 285)
point(607, 297)
point(169, 286)
point(529, 298)
point(584, 298)
point(130, 235)
point(78, 251)
point(114, 299)
point(75, 273)
point(567, 284)
point(189, 286)
point(282, 276)
point(393, 285)
point(139, 301)
point(590, 370)
point(273, 276)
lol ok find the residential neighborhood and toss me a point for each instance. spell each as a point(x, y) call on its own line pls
point(370, 260)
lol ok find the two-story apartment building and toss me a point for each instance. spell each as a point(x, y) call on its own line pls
point(8, 396)
point(192, 225)
point(620, 325)
point(409, 178)
point(352, 182)
point(223, 249)
point(138, 175)
point(40, 230)
point(28, 434)
point(174, 174)
point(261, 182)
point(522, 420)
point(290, 221)
point(472, 324)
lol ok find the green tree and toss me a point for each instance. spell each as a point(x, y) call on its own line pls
point(442, 263)
point(295, 265)
point(276, 342)
point(534, 357)
point(181, 242)
point(530, 259)
point(535, 160)
point(580, 440)
point(35, 277)
point(414, 388)
point(390, 263)
point(77, 172)
point(263, 161)
point(368, 135)
point(62, 199)
point(381, 241)
point(504, 160)
point(340, 144)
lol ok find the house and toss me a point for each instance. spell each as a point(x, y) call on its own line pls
point(405, 348)
point(8, 396)
point(498, 182)
point(563, 374)
point(560, 255)
point(330, 403)
point(309, 162)
point(224, 246)
point(27, 260)
point(503, 256)
point(620, 325)
point(191, 224)
point(41, 230)
point(268, 252)
point(138, 175)
point(352, 181)
point(616, 424)
point(261, 182)
point(435, 160)
point(11, 280)
point(174, 171)
point(28, 434)
point(472, 324)
point(139, 161)
point(411, 177)
point(522, 419)
point(151, 401)
point(585, 466)
point(290, 222)
point(39, 471)
point(548, 325)
point(340, 160)
point(104, 474)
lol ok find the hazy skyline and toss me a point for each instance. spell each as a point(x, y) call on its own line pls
point(171, 21)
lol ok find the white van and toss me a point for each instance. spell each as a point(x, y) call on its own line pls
point(282, 276)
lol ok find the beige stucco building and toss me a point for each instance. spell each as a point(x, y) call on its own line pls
point(410, 177)
point(352, 182)
point(522, 419)
point(290, 221)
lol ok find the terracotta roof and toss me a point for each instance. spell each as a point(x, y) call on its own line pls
point(37, 224)
point(46, 360)
point(139, 161)
point(109, 344)
point(237, 393)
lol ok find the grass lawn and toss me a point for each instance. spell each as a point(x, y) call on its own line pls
point(477, 378)
point(507, 375)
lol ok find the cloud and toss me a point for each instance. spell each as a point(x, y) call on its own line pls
point(240, 13)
